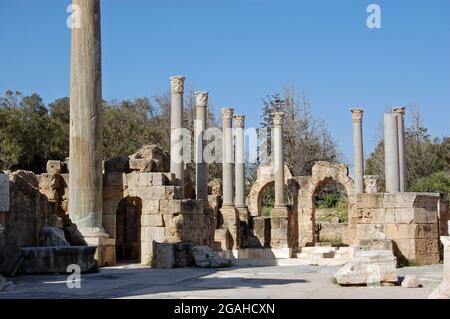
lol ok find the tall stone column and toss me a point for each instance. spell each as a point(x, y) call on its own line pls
point(391, 153)
point(239, 172)
point(400, 111)
point(176, 126)
point(227, 156)
point(85, 142)
point(201, 183)
point(278, 158)
point(229, 234)
point(240, 161)
point(358, 152)
point(279, 216)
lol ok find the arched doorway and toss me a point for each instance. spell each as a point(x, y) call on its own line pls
point(128, 229)
point(330, 213)
point(266, 198)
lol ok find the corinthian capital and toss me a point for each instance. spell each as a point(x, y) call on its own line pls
point(357, 114)
point(239, 120)
point(399, 110)
point(177, 84)
point(278, 118)
point(227, 113)
point(201, 98)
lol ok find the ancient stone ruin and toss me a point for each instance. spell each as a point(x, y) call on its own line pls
point(139, 208)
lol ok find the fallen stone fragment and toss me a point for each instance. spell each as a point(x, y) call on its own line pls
point(205, 257)
point(411, 281)
point(368, 268)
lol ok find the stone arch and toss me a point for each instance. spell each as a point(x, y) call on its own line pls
point(322, 172)
point(263, 180)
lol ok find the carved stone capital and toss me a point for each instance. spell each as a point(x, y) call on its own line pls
point(357, 114)
point(399, 110)
point(177, 84)
point(227, 113)
point(239, 120)
point(278, 118)
point(201, 98)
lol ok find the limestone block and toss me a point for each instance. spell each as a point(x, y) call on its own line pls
point(164, 206)
point(150, 206)
point(370, 232)
point(363, 215)
point(145, 179)
point(411, 281)
point(160, 179)
point(371, 267)
point(378, 216)
point(427, 246)
point(223, 238)
point(175, 206)
point(150, 234)
point(115, 179)
point(174, 235)
point(52, 236)
point(54, 167)
point(132, 182)
point(205, 257)
point(155, 220)
point(49, 180)
point(47, 260)
point(164, 255)
point(141, 165)
point(367, 200)
point(146, 252)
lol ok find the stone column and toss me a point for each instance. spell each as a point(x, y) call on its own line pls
point(176, 126)
point(240, 161)
point(279, 215)
point(227, 156)
point(278, 158)
point(229, 234)
point(391, 153)
point(239, 172)
point(400, 111)
point(358, 152)
point(201, 179)
point(85, 142)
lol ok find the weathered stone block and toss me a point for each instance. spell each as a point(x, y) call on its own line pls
point(141, 165)
point(115, 179)
point(175, 206)
point(164, 255)
point(145, 179)
point(370, 231)
point(366, 200)
point(52, 236)
point(54, 167)
point(150, 234)
point(150, 206)
point(205, 257)
point(367, 268)
point(160, 179)
point(155, 220)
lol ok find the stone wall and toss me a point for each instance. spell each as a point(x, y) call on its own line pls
point(29, 211)
point(409, 220)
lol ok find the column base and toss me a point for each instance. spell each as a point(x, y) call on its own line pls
point(280, 211)
point(231, 223)
point(105, 254)
point(279, 227)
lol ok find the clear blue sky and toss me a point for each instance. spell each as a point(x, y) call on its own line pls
point(242, 50)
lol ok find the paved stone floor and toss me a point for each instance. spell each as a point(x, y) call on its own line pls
point(134, 281)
